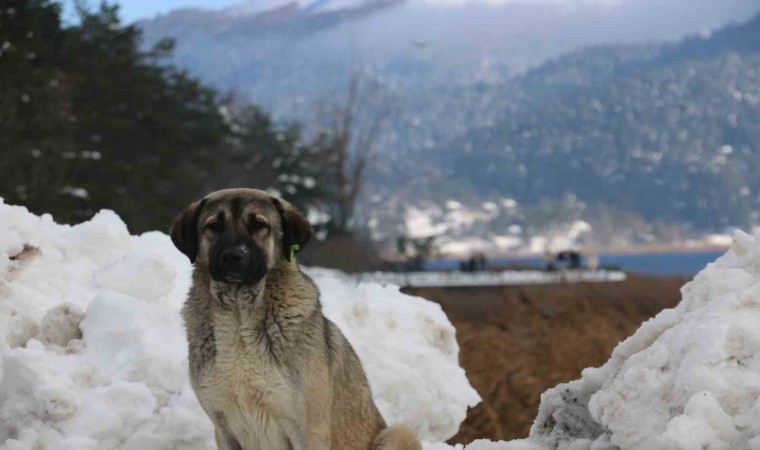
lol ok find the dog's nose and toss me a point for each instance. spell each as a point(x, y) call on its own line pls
point(234, 259)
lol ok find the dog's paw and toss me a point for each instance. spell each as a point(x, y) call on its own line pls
point(397, 437)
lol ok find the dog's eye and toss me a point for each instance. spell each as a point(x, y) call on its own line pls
point(256, 224)
point(215, 226)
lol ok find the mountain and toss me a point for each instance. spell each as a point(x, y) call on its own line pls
point(288, 54)
point(521, 102)
point(669, 131)
point(741, 38)
point(256, 20)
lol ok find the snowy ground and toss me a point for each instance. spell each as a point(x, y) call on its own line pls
point(92, 353)
point(502, 278)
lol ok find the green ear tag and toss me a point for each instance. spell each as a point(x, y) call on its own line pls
point(293, 249)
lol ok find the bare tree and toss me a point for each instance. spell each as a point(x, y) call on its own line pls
point(349, 146)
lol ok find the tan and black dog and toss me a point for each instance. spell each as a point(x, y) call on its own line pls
point(269, 369)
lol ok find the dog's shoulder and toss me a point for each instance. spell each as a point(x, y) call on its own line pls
point(291, 288)
point(197, 315)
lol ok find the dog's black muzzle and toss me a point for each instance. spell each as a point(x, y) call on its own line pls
point(238, 262)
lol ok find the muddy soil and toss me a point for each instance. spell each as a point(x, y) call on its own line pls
point(515, 342)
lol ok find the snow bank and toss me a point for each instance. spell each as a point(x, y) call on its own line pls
point(93, 353)
point(687, 379)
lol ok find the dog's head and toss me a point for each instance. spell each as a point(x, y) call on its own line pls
point(239, 234)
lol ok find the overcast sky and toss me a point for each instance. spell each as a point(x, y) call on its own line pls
point(132, 10)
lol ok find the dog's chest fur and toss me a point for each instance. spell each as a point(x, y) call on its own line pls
point(243, 386)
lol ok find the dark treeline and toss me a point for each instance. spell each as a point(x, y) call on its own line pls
point(88, 120)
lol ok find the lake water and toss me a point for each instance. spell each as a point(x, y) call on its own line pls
point(666, 263)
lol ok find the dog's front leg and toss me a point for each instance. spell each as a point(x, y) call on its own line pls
point(225, 440)
point(312, 429)
point(317, 426)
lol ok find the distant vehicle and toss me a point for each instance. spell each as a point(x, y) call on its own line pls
point(567, 259)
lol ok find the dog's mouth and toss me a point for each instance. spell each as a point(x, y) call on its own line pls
point(238, 279)
point(233, 279)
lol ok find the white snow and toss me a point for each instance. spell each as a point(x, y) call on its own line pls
point(420, 224)
point(567, 236)
point(502, 228)
point(409, 351)
point(462, 231)
point(93, 352)
point(687, 379)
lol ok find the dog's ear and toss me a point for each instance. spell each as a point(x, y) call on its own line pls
point(184, 230)
point(296, 229)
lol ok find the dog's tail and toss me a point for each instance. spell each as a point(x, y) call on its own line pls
point(397, 437)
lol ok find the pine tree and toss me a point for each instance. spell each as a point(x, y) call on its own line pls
point(34, 109)
point(88, 120)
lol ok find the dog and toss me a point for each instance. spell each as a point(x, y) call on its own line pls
point(270, 371)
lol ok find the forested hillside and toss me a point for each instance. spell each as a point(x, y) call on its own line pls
point(661, 132)
point(668, 131)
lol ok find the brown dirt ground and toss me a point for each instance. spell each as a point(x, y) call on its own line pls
point(517, 341)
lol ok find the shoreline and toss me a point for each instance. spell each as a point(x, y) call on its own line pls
point(620, 251)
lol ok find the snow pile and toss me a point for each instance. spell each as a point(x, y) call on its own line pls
point(408, 349)
point(93, 352)
point(93, 355)
point(687, 379)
